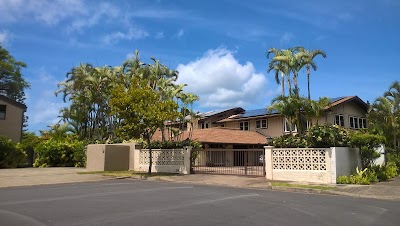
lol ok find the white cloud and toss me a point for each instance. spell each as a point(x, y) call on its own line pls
point(4, 37)
point(159, 35)
point(43, 112)
point(222, 82)
point(180, 33)
point(47, 11)
point(286, 38)
point(131, 34)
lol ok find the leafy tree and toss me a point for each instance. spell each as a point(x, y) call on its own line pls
point(12, 84)
point(141, 110)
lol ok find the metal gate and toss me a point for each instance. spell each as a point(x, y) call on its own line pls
point(229, 161)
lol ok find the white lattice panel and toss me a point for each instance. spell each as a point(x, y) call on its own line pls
point(299, 159)
point(162, 157)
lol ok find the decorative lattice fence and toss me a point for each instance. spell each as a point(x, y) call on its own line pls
point(299, 159)
point(162, 157)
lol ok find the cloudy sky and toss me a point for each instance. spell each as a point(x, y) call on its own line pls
point(218, 46)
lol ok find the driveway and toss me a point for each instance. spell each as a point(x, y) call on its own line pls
point(38, 176)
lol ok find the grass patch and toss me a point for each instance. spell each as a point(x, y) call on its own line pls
point(128, 173)
point(289, 185)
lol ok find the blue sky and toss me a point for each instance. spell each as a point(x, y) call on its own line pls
point(217, 46)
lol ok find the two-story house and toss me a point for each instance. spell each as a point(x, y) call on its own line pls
point(241, 128)
point(11, 118)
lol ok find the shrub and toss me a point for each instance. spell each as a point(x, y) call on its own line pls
point(289, 141)
point(11, 155)
point(343, 180)
point(325, 136)
point(367, 143)
point(60, 152)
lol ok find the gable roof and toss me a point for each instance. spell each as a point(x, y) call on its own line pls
point(12, 102)
point(341, 100)
point(221, 136)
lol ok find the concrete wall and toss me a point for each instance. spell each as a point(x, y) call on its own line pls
point(336, 161)
point(12, 125)
point(107, 157)
point(345, 160)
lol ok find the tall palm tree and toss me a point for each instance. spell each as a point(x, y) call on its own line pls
point(278, 66)
point(307, 60)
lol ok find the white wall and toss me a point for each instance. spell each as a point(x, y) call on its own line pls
point(346, 161)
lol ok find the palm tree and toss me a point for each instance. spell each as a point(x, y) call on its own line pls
point(307, 60)
point(278, 66)
point(288, 108)
point(384, 115)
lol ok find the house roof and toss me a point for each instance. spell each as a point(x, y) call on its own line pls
point(262, 113)
point(341, 100)
point(221, 135)
point(12, 102)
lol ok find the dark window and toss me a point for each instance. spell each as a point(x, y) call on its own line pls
point(244, 125)
point(339, 120)
point(357, 123)
point(261, 124)
point(3, 109)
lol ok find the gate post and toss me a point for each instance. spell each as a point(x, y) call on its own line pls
point(187, 159)
point(269, 175)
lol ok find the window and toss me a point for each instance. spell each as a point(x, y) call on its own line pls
point(244, 125)
point(261, 124)
point(3, 109)
point(205, 125)
point(357, 122)
point(286, 126)
point(339, 120)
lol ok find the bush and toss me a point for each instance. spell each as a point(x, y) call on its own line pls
point(60, 152)
point(171, 144)
point(367, 143)
point(343, 180)
point(11, 155)
point(289, 141)
point(325, 136)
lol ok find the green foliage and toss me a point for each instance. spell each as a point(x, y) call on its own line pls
point(172, 144)
point(12, 84)
point(370, 175)
point(367, 143)
point(11, 154)
point(384, 116)
point(328, 136)
point(140, 110)
point(289, 141)
point(60, 152)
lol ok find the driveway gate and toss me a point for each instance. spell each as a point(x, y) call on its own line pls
point(229, 161)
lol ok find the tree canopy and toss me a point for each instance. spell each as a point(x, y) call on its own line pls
point(12, 83)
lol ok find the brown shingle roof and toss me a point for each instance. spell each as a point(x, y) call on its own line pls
point(222, 136)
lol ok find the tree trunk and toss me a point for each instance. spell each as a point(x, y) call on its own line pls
point(150, 153)
point(308, 83)
point(283, 84)
point(290, 85)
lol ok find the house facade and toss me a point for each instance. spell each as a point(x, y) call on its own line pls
point(11, 118)
point(348, 112)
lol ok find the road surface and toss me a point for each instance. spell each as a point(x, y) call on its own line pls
point(137, 202)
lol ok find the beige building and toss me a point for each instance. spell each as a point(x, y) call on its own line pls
point(11, 118)
point(348, 112)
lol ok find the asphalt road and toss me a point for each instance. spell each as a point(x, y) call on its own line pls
point(136, 202)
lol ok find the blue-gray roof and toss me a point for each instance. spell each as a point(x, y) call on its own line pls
point(256, 112)
point(335, 99)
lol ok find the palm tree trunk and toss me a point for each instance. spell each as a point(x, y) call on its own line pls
point(308, 83)
point(283, 84)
